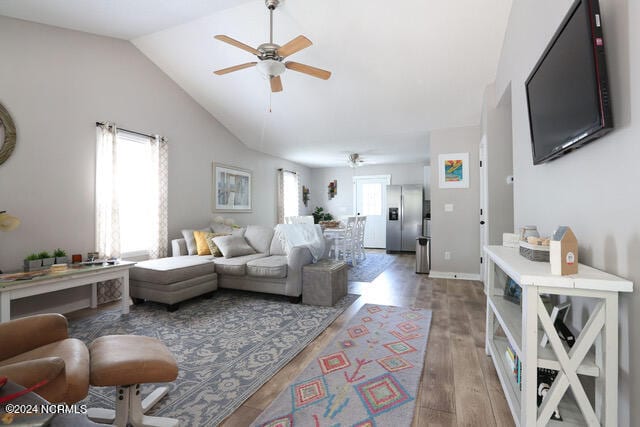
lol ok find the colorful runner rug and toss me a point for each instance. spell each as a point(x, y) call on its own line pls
point(367, 376)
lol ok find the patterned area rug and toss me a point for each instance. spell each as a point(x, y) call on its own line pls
point(370, 268)
point(368, 376)
point(227, 347)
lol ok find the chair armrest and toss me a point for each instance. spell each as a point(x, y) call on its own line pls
point(31, 372)
point(22, 335)
point(179, 247)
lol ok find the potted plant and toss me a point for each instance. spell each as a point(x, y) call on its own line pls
point(47, 259)
point(32, 262)
point(61, 256)
point(320, 215)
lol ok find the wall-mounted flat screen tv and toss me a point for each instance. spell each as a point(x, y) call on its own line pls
point(568, 89)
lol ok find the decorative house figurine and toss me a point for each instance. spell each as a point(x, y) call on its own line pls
point(563, 252)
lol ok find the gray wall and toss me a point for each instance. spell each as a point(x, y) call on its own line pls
point(594, 189)
point(457, 232)
point(342, 204)
point(56, 84)
point(496, 127)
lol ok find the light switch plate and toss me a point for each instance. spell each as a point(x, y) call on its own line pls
point(448, 207)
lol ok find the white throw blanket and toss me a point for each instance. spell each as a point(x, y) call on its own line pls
point(305, 235)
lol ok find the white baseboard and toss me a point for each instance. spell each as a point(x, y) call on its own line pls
point(450, 275)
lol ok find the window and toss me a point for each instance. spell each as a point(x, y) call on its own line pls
point(131, 194)
point(371, 199)
point(287, 194)
point(290, 193)
point(132, 178)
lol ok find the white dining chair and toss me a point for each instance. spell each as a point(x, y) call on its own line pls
point(300, 219)
point(344, 244)
point(361, 222)
point(305, 219)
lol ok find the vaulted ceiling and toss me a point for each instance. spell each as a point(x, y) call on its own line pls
point(400, 69)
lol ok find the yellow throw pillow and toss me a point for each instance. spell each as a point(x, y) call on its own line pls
point(201, 242)
point(213, 248)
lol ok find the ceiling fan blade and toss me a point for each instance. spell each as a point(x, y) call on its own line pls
point(235, 68)
point(276, 84)
point(308, 69)
point(295, 45)
point(236, 43)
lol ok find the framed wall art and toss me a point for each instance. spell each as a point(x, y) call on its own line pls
point(231, 188)
point(453, 170)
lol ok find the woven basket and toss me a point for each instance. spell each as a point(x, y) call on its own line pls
point(330, 224)
point(534, 252)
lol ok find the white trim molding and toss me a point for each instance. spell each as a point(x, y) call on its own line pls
point(452, 275)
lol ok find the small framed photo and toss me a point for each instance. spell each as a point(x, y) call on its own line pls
point(231, 189)
point(453, 170)
point(512, 291)
point(559, 312)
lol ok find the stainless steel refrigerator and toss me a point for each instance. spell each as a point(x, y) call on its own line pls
point(404, 217)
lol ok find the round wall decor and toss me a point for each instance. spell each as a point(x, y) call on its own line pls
point(9, 143)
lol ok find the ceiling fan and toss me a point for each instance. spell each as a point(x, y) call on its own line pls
point(271, 56)
point(354, 160)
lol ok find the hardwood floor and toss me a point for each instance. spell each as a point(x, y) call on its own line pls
point(459, 384)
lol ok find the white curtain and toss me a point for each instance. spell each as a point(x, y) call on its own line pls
point(158, 211)
point(280, 194)
point(107, 202)
point(107, 206)
point(288, 197)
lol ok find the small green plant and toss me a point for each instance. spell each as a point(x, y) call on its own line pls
point(59, 253)
point(33, 257)
point(320, 215)
point(44, 254)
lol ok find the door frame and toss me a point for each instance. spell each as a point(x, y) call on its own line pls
point(355, 180)
point(483, 210)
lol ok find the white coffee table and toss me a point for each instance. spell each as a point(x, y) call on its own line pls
point(71, 278)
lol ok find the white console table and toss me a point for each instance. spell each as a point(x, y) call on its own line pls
point(71, 278)
point(523, 326)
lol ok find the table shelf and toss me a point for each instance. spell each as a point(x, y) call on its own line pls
point(509, 315)
point(524, 325)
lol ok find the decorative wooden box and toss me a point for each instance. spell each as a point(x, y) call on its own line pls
point(324, 282)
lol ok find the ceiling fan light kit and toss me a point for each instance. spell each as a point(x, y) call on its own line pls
point(272, 55)
point(270, 67)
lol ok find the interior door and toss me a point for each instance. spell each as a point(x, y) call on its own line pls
point(370, 199)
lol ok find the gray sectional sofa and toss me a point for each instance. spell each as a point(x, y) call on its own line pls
point(270, 269)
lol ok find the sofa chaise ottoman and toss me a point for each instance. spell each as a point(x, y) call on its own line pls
point(172, 280)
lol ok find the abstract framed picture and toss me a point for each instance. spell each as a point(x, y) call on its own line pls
point(453, 170)
point(231, 188)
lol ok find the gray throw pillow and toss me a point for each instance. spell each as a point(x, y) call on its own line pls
point(192, 249)
point(232, 246)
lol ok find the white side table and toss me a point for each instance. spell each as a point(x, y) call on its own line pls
point(594, 354)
